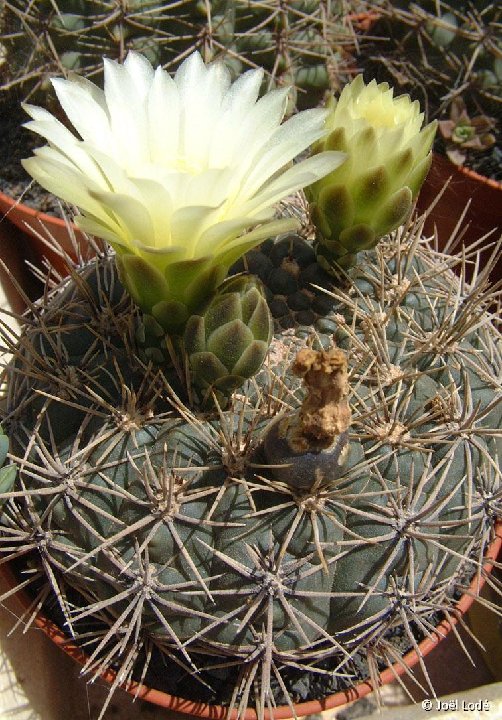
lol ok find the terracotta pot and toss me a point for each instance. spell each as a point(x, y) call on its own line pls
point(217, 712)
point(484, 213)
point(18, 283)
point(34, 224)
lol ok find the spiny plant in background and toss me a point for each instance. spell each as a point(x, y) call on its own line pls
point(441, 53)
point(462, 133)
point(305, 43)
point(276, 540)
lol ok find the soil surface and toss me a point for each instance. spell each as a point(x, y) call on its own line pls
point(17, 143)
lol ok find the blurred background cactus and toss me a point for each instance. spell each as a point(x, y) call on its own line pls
point(462, 133)
point(440, 53)
point(306, 43)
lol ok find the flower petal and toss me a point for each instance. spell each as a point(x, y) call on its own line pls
point(163, 111)
point(187, 224)
point(59, 178)
point(221, 234)
point(95, 226)
point(130, 214)
point(184, 167)
point(130, 129)
point(300, 175)
point(86, 109)
point(48, 127)
point(288, 140)
point(241, 245)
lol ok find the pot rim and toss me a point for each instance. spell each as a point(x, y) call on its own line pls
point(9, 205)
point(451, 168)
point(283, 712)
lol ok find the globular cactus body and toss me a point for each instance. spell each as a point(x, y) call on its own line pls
point(195, 532)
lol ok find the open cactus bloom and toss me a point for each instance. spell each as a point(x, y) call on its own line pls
point(388, 157)
point(180, 175)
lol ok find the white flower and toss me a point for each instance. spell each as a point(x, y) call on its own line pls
point(180, 174)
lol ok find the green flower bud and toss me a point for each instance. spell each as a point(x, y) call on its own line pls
point(372, 192)
point(228, 342)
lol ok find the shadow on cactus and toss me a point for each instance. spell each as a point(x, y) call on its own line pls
point(303, 536)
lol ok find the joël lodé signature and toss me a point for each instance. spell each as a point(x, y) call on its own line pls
point(456, 704)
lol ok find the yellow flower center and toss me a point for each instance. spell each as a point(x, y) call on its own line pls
point(382, 114)
point(188, 165)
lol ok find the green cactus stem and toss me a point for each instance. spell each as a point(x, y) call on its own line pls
point(200, 551)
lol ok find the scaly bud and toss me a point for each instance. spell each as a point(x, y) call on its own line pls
point(228, 342)
point(388, 157)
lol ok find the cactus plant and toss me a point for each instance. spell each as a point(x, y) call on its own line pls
point(247, 548)
point(157, 169)
point(307, 44)
point(462, 133)
point(303, 533)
